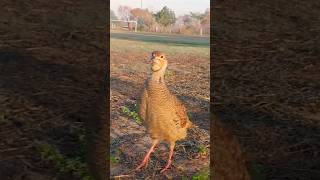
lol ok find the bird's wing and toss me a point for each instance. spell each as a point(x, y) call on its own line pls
point(181, 112)
point(143, 104)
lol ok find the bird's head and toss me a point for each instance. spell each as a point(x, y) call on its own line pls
point(158, 61)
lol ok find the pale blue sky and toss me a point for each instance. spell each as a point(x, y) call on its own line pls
point(180, 7)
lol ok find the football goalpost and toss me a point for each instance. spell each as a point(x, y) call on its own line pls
point(122, 24)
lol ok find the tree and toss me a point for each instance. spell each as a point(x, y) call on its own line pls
point(205, 22)
point(165, 17)
point(144, 17)
point(124, 13)
point(188, 25)
point(187, 19)
point(113, 15)
point(199, 17)
point(178, 24)
point(206, 19)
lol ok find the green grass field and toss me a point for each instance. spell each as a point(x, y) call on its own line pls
point(181, 40)
point(170, 44)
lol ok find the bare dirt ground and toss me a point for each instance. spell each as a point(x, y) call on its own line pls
point(50, 55)
point(188, 78)
point(266, 83)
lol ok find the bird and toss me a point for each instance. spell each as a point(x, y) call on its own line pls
point(163, 114)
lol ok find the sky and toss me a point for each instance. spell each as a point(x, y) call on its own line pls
point(180, 7)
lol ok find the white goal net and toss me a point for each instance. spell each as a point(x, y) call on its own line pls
point(124, 25)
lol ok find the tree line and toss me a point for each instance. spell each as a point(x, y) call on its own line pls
point(165, 20)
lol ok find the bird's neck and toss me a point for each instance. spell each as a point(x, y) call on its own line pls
point(158, 76)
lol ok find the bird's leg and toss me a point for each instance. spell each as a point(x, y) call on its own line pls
point(170, 158)
point(146, 159)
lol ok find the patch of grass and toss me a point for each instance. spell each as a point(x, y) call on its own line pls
point(132, 113)
point(202, 175)
point(163, 38)
point(203, 150)
point(121, 45)
point(62, 164)
point(114, 159)
point(169, 74)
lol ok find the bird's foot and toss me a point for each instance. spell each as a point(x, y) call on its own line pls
point(144, 164)
point(167, 167)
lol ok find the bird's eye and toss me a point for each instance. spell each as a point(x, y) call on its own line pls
point(161, 56)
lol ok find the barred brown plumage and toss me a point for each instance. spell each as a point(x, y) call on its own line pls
point(163, 114)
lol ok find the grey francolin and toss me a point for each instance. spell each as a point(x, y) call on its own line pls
point(164, 116)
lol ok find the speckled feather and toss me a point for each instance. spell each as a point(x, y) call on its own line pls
point(163, 114)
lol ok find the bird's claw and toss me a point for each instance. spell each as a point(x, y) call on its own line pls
point(166, 168)
point(143, 165)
